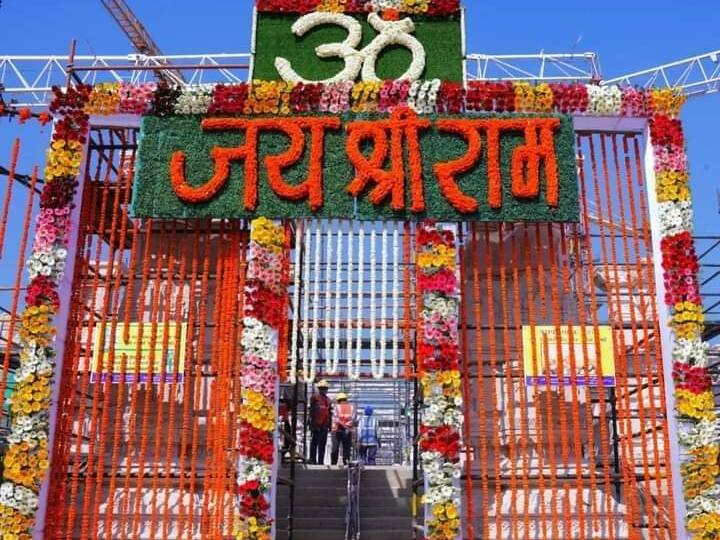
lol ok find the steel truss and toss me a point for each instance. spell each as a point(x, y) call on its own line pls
point(697, 75)
point(26, 80)
point(580, 67)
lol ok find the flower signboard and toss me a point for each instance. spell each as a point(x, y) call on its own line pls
point(396, 166)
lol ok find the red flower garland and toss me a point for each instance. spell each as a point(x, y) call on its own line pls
point(666, 131)
point(451, 98)
point(569, 98)
point(228, 99)
point(256, 443)
point(695, 379)
point(442, 439)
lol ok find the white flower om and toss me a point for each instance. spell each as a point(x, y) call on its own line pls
point(357, 61)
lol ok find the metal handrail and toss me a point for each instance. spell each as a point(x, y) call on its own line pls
point(352, 515)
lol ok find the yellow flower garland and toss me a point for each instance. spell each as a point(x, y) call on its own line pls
point(672, 186)
point(104, 99)
point(667, 101)
point(25, 463)
point(15, 526)
point(445, 523)
point(697, 406)
point(257, 410)
point(440, 256)
point(63, 159)
point(267, 234)
point(269, 97)
point(365, 96)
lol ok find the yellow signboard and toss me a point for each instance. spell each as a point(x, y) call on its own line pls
point(160, 353)
point(547, 348)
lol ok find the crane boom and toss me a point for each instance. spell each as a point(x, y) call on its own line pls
point(138, 35)
point(695, 76)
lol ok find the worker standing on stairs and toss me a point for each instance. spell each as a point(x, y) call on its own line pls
point(320, 422)
point(342, 429)
point(368, 437)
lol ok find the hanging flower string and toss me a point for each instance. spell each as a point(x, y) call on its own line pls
point(265, 289)
point(438, 357)
point(694, 400)
point(27, 457)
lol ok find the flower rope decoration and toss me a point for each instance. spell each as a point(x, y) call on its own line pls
point(425, 97)
point(438, 356)
point(694, 400)
point(27, 457)
point(265, 315)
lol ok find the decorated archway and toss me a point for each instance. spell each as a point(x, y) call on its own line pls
point(522, 252)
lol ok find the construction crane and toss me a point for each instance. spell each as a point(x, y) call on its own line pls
point(139, 36)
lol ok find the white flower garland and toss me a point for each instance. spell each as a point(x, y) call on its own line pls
point(422, 97)
point(354, 373)
point(604, 100)
point(259, 339)
point(702, 433)
point(338, 284)
point(316, 297)
point(18, 497)
point(308, 369)
point(397, 276)
point(690, 351)
point(194, 99)
point(49, 263)
point(296, 302)
point(383, 294)
point(675, 217)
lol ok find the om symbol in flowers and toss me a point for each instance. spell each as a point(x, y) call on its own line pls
point(357, 62)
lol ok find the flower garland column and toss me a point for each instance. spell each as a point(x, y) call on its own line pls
point(265, 290)
point(32, 414)
point(438, 358)
point(698, 424)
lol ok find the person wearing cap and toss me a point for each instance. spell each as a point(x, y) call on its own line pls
point(368, 436)
point(320, 422)
point(342, 429)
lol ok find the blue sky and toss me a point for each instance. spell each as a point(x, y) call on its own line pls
point(627, 35)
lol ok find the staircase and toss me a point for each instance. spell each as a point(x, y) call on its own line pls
point(386, 503)
point(321, 502)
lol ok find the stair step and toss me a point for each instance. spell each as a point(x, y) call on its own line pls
point(377, 523)
point(303, 523)
point(379, 511)
point(317, 534)
point(301, 492)
point(319, 511)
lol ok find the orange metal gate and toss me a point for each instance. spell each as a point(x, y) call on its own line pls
point(153, 456)
point(568, 460)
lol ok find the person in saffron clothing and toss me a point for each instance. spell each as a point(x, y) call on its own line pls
point(320, 422)
point(368, 436)
point(344, 421)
